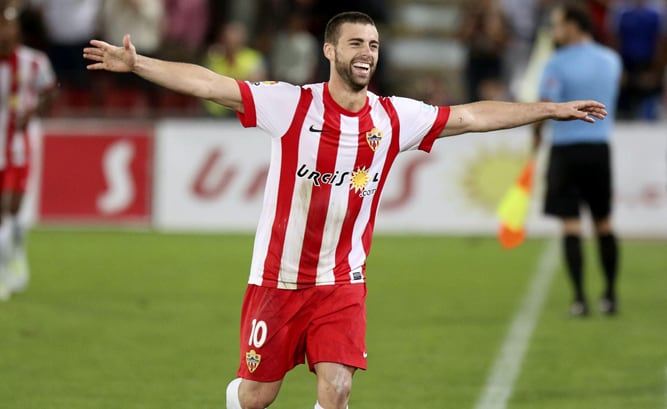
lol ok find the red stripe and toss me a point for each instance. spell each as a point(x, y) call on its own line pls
point(327, 154)
point(436, 129)
point(289, 161)
point(394, 149)
point(364, 158)
point(249, 116)
point(12, 98)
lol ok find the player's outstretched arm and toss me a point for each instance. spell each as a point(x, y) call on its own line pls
point(185, 78)
point(486, 116)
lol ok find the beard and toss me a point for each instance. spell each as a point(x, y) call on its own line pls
point(344, 69)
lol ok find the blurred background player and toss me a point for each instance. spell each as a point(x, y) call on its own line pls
point(639, 30)
point(486, 35)
point(231, 55)
point(68, 25)
point(579, 166)
point(27, 85)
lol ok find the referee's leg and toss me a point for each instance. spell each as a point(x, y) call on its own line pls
point(608, 255)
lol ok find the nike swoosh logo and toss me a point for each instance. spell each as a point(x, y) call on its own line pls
point(365, 355)
point(313, 129)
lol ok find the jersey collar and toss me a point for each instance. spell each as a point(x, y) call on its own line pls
point(329, 102)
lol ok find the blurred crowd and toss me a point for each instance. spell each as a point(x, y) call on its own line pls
point(253, 40)
point(281, 40)
point(505, 38)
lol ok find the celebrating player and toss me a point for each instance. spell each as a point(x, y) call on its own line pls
point(333, 144)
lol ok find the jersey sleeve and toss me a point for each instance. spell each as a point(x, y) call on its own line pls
point(421, 123)
point(551, 87)
point(45, 78)
point(268, 105)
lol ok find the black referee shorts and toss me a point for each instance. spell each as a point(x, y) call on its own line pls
point(579, 174)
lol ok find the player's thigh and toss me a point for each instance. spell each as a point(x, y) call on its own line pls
point(337, 332)
point(273, 333)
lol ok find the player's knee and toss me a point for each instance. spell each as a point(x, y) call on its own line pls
point(255, 402)
point(334, 391)
point(257, 395)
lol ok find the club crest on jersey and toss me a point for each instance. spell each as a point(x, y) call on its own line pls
point(374, 137)
point(252, 359)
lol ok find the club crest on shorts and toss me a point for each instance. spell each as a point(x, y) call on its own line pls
point(252, 359)
point(374, 137)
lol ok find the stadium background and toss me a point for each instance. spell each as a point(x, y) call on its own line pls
point(119, 313)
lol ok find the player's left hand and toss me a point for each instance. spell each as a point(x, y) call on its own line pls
point(583, 110)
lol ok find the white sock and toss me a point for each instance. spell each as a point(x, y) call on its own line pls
point(19, 232)
point(5, 244)
point(317, 406)
point(233, 394)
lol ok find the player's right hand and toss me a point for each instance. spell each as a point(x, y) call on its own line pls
point(110, 57)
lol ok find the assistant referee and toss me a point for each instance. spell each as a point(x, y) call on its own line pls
point(579, 171)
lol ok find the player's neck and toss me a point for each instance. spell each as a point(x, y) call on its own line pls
point(346, 97)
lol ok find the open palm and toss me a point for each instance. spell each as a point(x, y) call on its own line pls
point(584, 110)
point(110, 57)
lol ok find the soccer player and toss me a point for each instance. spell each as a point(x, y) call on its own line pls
point(333, 144)
point(27, 86)
point(579, 170)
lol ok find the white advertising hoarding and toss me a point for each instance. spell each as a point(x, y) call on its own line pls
point(210, 176)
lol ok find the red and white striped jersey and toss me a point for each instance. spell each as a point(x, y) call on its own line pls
point(327, 170)
point(23, 76)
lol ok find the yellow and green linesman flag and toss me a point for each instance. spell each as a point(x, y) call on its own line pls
point(513, 208)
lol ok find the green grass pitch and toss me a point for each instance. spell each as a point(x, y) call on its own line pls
point(141, 320)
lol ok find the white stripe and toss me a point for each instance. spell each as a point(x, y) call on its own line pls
point(338, 204)
point(4, 113)
point(507, 365)
point(266, 217)
point(295, 232)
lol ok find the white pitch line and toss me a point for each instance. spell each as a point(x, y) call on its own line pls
point(507, 365)
point(666, 387)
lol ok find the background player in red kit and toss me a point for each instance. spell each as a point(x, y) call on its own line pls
point(332, 147)
point(27, 85)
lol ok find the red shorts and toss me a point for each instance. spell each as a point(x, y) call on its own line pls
point(281, 328)
point(14, 179)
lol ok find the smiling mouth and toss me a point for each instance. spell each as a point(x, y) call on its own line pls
point(362, 66)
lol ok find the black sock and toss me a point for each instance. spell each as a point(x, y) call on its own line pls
point(574, 261)
point(608, 251)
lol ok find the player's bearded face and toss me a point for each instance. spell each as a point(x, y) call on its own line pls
point(357, 71)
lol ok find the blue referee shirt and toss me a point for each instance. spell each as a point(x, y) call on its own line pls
point(582, 71)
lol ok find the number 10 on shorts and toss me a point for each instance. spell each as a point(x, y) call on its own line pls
point(257, 333)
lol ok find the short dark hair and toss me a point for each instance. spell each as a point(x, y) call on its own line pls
point(331, 32)
point(578, 14)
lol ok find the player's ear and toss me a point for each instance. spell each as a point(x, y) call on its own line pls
point(329, 52)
